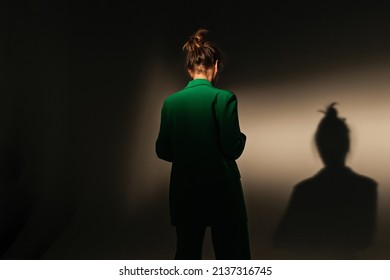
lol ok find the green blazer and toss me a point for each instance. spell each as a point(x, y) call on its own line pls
point(200, 135)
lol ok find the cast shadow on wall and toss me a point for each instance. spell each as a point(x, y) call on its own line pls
point(331, 215)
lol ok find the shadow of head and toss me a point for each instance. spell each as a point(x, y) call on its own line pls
point(332, 138)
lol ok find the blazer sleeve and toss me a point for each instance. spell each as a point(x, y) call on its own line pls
point(232, 140)
point(163, 143)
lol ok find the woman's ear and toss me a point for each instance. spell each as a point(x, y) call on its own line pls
point(216, 67)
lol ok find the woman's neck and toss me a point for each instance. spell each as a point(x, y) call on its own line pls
point(202, 76)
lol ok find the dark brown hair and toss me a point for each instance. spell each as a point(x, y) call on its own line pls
point(201, 54)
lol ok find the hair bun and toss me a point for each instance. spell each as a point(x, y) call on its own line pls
point(200, 36)
point(331, 111)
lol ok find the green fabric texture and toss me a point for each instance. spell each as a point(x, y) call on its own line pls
point(200, 134)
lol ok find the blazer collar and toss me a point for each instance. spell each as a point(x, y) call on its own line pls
point(198, 82)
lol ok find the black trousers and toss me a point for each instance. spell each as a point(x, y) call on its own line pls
point(230, 241)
